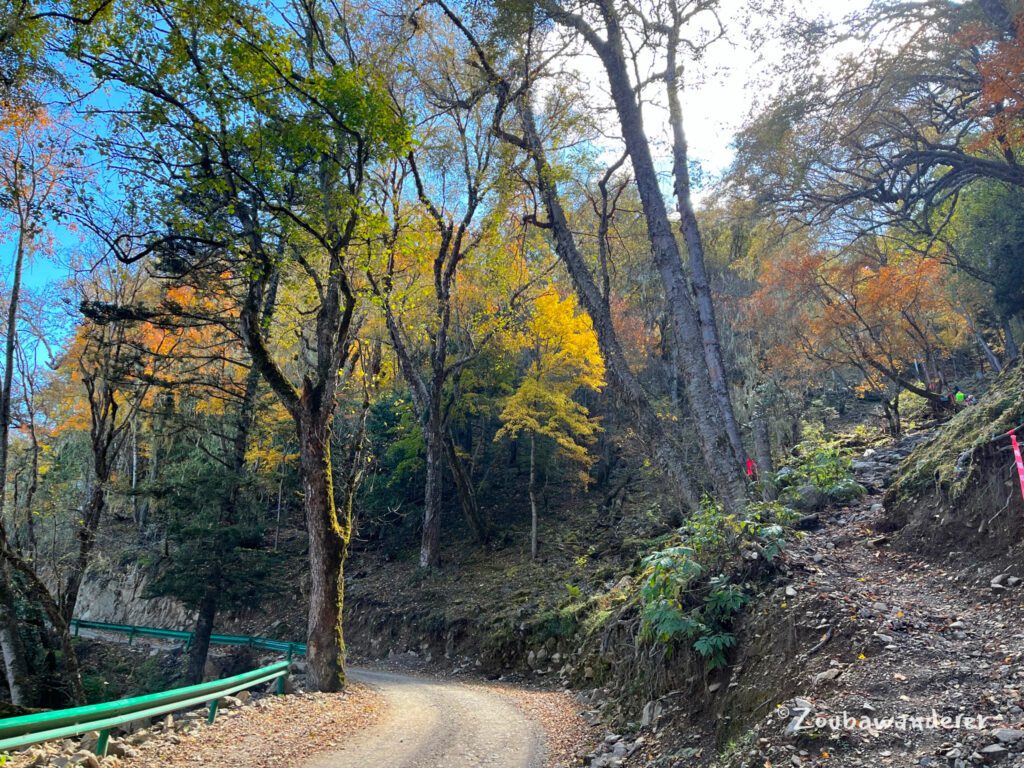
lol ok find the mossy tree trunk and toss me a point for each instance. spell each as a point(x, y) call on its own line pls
point(328, 543)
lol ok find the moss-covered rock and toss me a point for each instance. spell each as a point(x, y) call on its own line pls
point(959, 488)
point(845, 491)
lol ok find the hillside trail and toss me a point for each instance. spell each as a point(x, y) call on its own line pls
point(430, 723)
point(924, 652)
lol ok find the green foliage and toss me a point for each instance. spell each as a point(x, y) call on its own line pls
point(819, 461)
point(713, 647)
point(715, 536)
point(214, 522)
point(667, 615)
point(679, 605)
point(708, 531)
point(668, 577)
point(768, 523)
point(724, 599)
point(989, 231)
point(823, 462)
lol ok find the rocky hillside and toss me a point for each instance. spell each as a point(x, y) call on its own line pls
point(959, 491)
point(864, 654)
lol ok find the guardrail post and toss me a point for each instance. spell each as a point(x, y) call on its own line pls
point(280, 685)
point(131, 635)
point(213, 712)
point(101, 744)
point(78, 628)
point(291, 650)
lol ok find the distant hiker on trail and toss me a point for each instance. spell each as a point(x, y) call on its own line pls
point(961, 398)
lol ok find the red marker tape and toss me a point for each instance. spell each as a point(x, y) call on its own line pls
point(1020, 461)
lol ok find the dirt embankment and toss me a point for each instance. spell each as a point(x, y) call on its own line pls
point(866, 654)
point(959, 492)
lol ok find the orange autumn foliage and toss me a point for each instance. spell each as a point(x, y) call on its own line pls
point(815, 309)
point(38, 171)
point(1001, 99)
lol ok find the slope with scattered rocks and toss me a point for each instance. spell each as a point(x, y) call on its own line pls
point(865, 655)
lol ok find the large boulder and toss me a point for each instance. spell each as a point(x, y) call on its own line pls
point(804, 498)
point(845, 491)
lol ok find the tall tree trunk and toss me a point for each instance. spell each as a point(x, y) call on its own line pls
point(475, 518)
point(533, 496)
point(763, 455)
point(148, 505)
point(86, 541)
point(15, 662)
point(313, 407)
point(430, 555)
point(892, 414)
point(328, 543)
point(16, 672)
point(695, 249)
point(990, 356)
point(135, 471)
point(39, 592)
point(158, 442)
point(1012, 350)
point(722, 464)
point(438, 442)
point(664, 446)
point(200, 647)
point(660, 439)
point(239, 447)
point(30, 492)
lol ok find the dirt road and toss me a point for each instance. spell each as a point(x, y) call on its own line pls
point(429, 722)
point(389, 719)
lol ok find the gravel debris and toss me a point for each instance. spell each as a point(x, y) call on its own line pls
point(567, 734)
point(274, 731)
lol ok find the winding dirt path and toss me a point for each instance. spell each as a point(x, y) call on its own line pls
point(386, 718)
point(430, 723)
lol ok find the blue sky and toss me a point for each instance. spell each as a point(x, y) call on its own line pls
point(716, 104)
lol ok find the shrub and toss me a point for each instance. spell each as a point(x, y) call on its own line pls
point(818, 461)
point(678, 604)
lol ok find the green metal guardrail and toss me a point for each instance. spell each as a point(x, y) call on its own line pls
point(18, 732)
point(133, 631)
point(23, 731)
